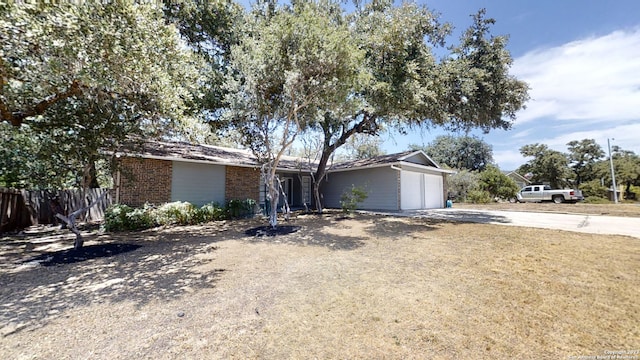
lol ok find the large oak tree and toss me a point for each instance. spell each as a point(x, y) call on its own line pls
point(84, 77)
point(405, 86)
point(459, 152)
point(291, 62)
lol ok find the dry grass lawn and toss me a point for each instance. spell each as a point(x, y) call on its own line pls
point(370, 287)
point(621, 209)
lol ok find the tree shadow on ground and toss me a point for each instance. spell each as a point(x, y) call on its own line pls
point(393, 229)
point(137, 267)
point(90, 252)
point(451, 216)
point(307, 236)
point(455, 216)
point(268, 230)
point(306, 229)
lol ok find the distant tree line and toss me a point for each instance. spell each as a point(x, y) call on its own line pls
point(584, 166)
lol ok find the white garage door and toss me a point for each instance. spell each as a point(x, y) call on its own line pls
point(420, 191)
point(410, 190)
point(432, 191)
point(196, 183)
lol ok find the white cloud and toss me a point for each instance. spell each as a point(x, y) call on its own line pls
point(626, 136)
point(521, 134)
point(593, 80)
point(508, 159)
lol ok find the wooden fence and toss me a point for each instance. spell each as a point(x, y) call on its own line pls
point(13, 214)
point(23, 208)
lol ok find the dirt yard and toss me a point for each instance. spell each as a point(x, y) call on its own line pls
point(369, 287)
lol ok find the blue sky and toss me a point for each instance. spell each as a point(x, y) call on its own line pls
point(582, 62)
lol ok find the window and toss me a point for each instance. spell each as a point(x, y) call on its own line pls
point(306, 190)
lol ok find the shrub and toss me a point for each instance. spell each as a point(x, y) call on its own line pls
point(350, 199)
point(594, 189)
point(241, 208)
point(211, 212)
point(596, 200)
point(120, 217)
point(497, 184)
point(460, 183)
point(479, 197)
point(176, 213)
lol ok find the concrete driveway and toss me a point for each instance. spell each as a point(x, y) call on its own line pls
point(593, 224)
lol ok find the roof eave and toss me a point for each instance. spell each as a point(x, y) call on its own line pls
point(424, 167)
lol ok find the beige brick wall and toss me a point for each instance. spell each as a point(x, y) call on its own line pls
point(242, 183)
point(145, 180)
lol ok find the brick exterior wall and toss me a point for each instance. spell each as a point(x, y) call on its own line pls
point(242, 183)
point(145, 180)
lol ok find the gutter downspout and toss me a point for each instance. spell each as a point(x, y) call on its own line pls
point(118, 187)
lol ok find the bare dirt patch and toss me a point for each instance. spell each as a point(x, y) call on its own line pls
point(365, 287)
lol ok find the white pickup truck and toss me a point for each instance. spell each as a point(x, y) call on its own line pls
point(539, 193)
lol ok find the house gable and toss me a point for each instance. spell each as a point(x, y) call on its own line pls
point(420, 158)
point(520, 180)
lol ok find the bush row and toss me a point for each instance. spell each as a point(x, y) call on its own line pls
point(121, 217)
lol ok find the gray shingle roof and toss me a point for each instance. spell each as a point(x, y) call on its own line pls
point(240, 157)
point(209, 153)
point(376, 160)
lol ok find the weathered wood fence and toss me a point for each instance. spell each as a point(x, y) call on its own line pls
point(23, 208)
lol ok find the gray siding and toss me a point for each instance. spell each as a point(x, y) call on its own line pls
point(197, 183)
point(381, 184)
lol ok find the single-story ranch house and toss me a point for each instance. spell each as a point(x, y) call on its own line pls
point(520, 180)
point(199, 174)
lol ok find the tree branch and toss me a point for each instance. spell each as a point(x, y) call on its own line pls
point(17, 118)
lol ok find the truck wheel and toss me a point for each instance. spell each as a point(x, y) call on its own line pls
point(558, 199)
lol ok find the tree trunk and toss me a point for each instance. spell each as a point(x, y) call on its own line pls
point(273, 197)
point(90, 176)
point(71, 221)
point(316, 196)
point(367, 125)
point(321, 171)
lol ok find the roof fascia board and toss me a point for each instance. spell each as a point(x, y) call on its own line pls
point(198, 161)
point(404, 164)
point(179, 159)
point(362, 167)
point(519, 176)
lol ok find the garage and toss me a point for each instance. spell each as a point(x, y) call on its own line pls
point(404, 181)
point(420, 190)
point(198, 183)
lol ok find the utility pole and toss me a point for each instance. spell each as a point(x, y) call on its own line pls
point(613, 175)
